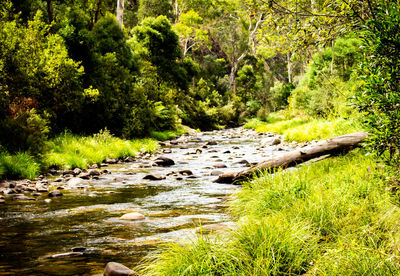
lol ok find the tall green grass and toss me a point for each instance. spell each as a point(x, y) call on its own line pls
point(69, 151)
point(334, 217)
point(303, 129)
point(20, 165)
point(168, 134)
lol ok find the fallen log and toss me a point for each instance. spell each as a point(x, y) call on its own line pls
point(330, 146)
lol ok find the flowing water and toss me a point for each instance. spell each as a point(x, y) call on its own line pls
point(31, 232)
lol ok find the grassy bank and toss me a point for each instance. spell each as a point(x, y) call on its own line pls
point(339, 216)
point(69, 151)
point(304, 128)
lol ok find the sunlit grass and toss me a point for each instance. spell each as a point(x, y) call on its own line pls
point(303, 129)
point(20, 165)
point(69, 151)
point(333, 217)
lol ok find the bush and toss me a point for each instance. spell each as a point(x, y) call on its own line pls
point(26, 132)
point(380, 99)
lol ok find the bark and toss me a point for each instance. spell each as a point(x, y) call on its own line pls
point(333, 55)
point(50, 11)
point(330, 146)
point(120, 12)
point(289, 68)
point(98, 10)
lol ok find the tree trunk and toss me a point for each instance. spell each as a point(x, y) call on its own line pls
point(289, 68)
point(330, 146)
point(120, 12)
point(98, 10)
point(232, 78)
point(50, 11)
point(333, 55)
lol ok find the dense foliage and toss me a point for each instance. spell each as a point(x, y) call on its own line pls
point(206, 64)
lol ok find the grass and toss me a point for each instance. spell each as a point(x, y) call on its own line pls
point(168, 135)
point(20, 165)
point(70, 151)
point(303, 128)
point(339, 216)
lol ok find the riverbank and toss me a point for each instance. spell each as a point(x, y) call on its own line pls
point(337, 216)
point(68, 151)
point(304, 128)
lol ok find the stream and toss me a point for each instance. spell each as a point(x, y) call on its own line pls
point(32, 232)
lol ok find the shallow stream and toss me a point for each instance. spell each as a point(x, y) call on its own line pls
point(31, 232)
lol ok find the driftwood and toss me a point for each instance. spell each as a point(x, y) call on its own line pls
point(330, 146)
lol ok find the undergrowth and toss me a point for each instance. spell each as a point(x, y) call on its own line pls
point(305, 128)
point(333, 217)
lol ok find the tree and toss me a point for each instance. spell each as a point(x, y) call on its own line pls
point(191, 34)
point(155, 8)
point(120, 12)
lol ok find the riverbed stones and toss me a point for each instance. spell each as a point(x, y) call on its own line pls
point(77, 171)
point(133, 216)
point(216, 173)
point(164, 161)
point(22, 197)
point(76, 181)
point(117, 269)
point(186, 172)
point(154, 177)
point(55, 193)
point(219, 166)
point(211, 143)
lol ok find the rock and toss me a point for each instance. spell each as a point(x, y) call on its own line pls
point(93, 172)
point(236, 147)
point(67, 254)
point(167, 150)
point(198, 151)
point(11, 185)
point(2, 201)
point(211, 143)
point(68, 172)
point(36, 194)
point(58, 180)
point(129, 159)
point(117, 269)
point(228, 151)
point(192, 177)
point(55, 193)
point(41, 189)
point(9, 191)
point(179, 178)
point(243, 162)
point(174, 142)
point(154, 177)
point(105, 171)
point(22, 197)
point(216, 173)
point(84, 176)
point(219, 166)
point(186, 172)
point(164, 161)
point(276, 141)
point(93, 166)
point(77, 171)
point(47, 200)
point(132, 216)
point(78, 249)
point(111, 161)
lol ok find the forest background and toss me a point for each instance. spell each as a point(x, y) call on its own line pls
point(71, 69)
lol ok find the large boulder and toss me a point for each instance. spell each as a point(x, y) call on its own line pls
point(55, 193)
point(117, 269)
